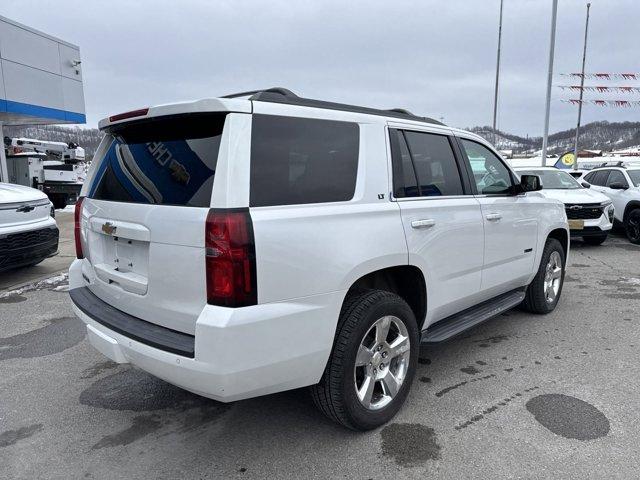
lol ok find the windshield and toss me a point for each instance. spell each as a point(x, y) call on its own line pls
point(554, 179)
point(635, 177)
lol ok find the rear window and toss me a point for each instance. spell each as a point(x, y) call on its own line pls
point(164, 161)
point(302, 160)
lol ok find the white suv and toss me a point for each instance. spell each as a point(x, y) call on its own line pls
point(622, 186)
point(262, 242)
point(590, 213)
point(28, 231)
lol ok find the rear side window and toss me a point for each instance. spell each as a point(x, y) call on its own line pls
point(302, 160)
point(598, 178)
point(164, 161)
point(423, 165)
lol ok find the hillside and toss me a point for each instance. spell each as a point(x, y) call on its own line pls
point(87, 138)
point(596, 135)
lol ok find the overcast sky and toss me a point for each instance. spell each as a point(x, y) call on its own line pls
point(435, 58)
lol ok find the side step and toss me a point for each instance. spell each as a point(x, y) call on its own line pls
point(456, 324)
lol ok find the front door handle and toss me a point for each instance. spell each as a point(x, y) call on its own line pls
point(493, 217)
point(429, 222)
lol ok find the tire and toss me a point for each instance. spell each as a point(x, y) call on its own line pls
point(632, 226)
point(363, 315)
point(536, 299)
point(595, 240)
point(59, 201)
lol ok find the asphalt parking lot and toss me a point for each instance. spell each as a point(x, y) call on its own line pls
point(521, 396)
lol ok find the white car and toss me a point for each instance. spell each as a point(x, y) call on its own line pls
point(590, 213)
point(262, 242)
point(28, 231)
point(622, 186)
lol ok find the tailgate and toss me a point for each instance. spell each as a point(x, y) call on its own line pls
point(143, 220)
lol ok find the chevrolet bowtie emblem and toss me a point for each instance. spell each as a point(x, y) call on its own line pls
point(109, 228)
point(25, 209)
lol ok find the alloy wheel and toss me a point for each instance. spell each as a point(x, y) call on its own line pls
point(553, 277)
point(382, 362)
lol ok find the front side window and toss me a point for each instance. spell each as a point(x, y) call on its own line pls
point(490, 174)
point(424, 165)
point(634, 175)
point(302, 160)
point(616, 176)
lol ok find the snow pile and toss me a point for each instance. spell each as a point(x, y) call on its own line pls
point(57, 283)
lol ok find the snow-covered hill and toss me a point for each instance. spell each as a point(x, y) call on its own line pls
point(597, 136)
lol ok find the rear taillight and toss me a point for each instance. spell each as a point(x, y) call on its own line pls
point(230, 258)
point(77, 218)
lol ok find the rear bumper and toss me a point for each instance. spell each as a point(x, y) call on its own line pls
point(20, 248)
point(238, 353)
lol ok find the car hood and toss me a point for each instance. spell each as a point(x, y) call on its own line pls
point(10, 193)
point(578, 195)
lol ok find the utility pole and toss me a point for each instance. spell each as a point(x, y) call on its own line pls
point(584, 57)
point(552, 45)
point(495, 94)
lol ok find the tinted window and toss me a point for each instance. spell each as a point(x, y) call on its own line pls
point(166, 161)
point(597, 178)
point(302, 160)
point(405, 183)
point(616, 176)
point(434, 163)
point(635, 177)
point(490, 174)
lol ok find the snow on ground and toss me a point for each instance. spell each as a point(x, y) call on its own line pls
point(57, 283)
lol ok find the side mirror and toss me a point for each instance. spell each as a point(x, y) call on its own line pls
point(530, 183)
point(586, 184)
point(618, 186)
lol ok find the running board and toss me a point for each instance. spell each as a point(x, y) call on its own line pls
point(456, 324)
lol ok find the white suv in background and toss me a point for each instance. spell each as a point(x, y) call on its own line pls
point(28, 231)
point(262, 242)
point(590, 213)
point(622, 186)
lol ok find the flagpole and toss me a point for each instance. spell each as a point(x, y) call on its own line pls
point(552, 43)
point(584, 57)
point(495, 94)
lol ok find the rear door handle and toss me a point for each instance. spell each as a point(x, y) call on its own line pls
point(429, 222)
point(493, 217)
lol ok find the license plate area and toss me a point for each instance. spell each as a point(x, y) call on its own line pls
point(576, 224)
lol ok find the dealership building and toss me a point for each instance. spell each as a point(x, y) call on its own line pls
point(40, 80)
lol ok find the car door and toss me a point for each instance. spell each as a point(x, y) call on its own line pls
point(618, 196)
point(442, 221)
point(510, 221)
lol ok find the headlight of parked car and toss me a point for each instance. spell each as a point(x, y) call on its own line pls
point(610, 211)
point(53, 210)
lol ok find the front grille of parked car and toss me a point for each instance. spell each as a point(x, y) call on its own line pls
point(27, 239)
point(583, 212)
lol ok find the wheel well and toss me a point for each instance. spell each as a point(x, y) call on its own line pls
point(406, 281)
point(630, 206)
point(560, 234)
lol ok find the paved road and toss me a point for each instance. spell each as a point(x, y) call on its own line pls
point(521, 396)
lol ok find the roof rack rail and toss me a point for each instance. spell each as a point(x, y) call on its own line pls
point(254, 93)
point(286, 96)
point(401, 110)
